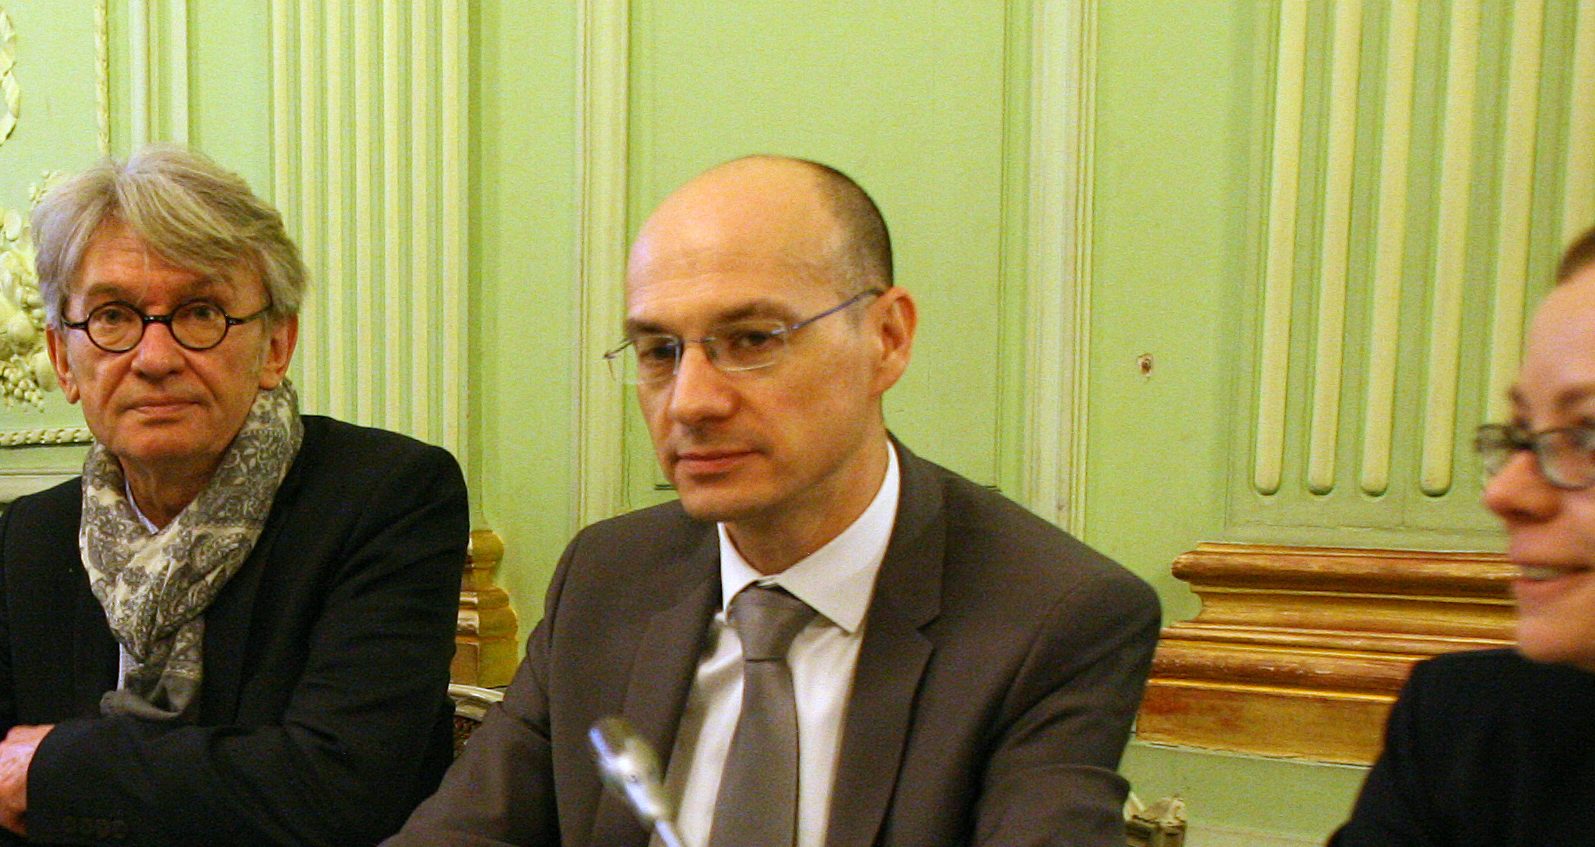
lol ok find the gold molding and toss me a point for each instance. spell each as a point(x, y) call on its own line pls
point(1300, 651)
point(485, 648)
point(46, 436)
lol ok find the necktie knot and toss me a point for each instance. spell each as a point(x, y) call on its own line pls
point(766, 619)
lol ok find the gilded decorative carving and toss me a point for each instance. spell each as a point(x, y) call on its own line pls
point(25, 370)
point(1300, 651)
point(485, 648)
point(17, 275)
point(46, 436)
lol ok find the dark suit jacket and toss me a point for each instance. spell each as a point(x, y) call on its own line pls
point(1001, 665)
point(323, 712)
point(1484, 749)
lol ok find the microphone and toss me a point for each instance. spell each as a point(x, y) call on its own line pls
point(629, 768)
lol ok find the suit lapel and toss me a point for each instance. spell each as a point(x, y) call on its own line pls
point(668, 648)
point(227, 623)
point(229, 616)
point(92, 666)
point(891, 660)
point(95, 666)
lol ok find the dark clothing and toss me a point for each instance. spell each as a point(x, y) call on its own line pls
point(1484, 749)
point(1001, 665)
point(323, 715)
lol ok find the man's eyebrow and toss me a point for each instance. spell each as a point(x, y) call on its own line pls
point(762, 308)
point(103, 289)
point(1573, 395)
point(634, 328)
point(118, 291)
point(757, 309)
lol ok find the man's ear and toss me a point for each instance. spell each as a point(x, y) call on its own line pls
point(895, 317)
point(279, 351)
point(55, 345)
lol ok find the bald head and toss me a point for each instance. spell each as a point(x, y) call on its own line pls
point(763, 209)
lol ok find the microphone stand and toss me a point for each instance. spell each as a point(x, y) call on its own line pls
point(629, 768)
point(667, 833)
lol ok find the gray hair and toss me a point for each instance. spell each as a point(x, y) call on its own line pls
point(183, 206)
point(865, 255)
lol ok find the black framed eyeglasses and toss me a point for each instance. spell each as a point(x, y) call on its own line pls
point(739, 346)
point(117, 327)
point(1565, 455)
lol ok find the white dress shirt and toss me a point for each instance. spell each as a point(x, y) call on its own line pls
point(837, 580)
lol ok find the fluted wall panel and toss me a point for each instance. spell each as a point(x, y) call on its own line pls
point(1389, 240)
point(1450, 245)
point(370, 171)
point(1579, 207)
point(1426, 163)
point(1336, 245)
point(1279, 266)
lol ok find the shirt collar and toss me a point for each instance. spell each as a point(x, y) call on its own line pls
point(837, 579)
point(127, 491)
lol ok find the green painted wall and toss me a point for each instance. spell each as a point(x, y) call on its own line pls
point(913, 101)
point(523, 255)
point(1190, 110)
point(1180, 118)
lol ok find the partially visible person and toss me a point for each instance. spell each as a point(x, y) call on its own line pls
point(236, 627)
point(1497, 748)
point(830, 639)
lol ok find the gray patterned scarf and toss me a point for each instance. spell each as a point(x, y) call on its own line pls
point(155, 588)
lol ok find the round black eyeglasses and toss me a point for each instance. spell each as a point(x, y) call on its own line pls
point(118, 327)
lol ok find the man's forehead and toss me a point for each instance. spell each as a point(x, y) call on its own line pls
point(131, 288)
point(762, 210)
point(669, 264)
point(696, 298)
point(119, 263)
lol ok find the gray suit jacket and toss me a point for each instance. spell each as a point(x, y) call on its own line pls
point(1002, 664)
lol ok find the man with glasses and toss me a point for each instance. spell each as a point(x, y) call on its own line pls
point(834, 641)
point(236, 626)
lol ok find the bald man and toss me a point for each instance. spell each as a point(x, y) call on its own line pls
point(967, 673)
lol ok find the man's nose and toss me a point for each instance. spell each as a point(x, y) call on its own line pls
point(700, 390)
point(158, 352)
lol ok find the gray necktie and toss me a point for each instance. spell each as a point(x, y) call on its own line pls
point(757, 804)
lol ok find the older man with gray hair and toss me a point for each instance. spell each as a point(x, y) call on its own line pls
point(236, 627)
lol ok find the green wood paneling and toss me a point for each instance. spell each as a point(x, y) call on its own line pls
point(912, 101)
